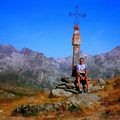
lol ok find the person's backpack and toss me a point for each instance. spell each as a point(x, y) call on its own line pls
point(74, 71)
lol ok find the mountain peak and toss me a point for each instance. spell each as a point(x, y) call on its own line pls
point(117, 48)
point(7, 46)
point(26, 51)
point(7, 49)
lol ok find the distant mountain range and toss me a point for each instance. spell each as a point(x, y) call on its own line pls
point(31, 68)
point(27, 67)
point(106, 65)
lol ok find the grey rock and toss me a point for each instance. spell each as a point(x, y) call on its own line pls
point(61, 92)
point(64, 85)
point(96, 88)
point(49, 107)
point(31, 110)
point(72, 91)
point(61, 86)
point(70, 85)
point(83, 100)
point(99, 85)
point(101, 82)
point(61, 83)
point(68, 79)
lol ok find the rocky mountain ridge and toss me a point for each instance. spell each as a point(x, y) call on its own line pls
point(34, 68)
point(29, 66)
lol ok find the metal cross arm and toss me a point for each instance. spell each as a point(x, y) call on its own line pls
point(77, 14)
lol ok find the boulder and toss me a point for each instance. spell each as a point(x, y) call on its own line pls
point(95, 88)
point(61, 92)
point(83, 100)
point(99, 85)
point(101, 82)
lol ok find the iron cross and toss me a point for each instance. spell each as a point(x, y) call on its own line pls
point(77, 14)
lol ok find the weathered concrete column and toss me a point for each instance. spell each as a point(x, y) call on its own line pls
point(76, 46)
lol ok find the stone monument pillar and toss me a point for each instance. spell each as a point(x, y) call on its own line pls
point(76, 41)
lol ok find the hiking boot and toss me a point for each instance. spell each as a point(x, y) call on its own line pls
point(88, 91)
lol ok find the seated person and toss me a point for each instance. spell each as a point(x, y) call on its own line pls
point(81, 76)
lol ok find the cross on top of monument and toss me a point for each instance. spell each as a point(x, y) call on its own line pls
point(77, 14)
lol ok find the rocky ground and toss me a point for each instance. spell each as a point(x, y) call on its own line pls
point(103, 103)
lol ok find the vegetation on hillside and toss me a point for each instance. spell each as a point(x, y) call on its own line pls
point(107, 109)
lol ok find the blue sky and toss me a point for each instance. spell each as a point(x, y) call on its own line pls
point(45, 26)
